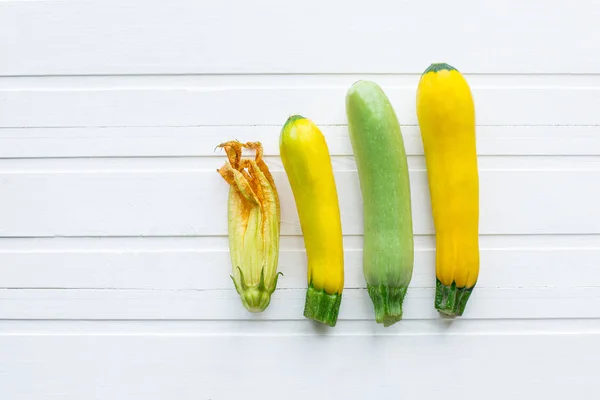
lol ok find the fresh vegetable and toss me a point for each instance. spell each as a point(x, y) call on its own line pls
point(307, 163)
point(446, 115)
point(378, 148)
point(254, 221)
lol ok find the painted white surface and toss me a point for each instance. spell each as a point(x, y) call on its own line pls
point(113, 251)
point(270, 36)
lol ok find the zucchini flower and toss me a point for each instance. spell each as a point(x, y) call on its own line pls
point(254, 222)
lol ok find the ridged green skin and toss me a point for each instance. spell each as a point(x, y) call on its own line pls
point(451, 301)
point(378, 147)
point(322, 307)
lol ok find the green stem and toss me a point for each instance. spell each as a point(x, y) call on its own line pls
point(322, 307)
point(387, 302)
point(450, 300)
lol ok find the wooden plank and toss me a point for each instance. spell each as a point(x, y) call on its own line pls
point(201, 141)
point(198, 366)
point(292, 328)
point(205, 268)
point(192, 106)
point(156, 202)
point(234, 36)
point(286, 304)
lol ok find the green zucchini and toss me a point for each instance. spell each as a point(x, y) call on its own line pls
point(378, 147)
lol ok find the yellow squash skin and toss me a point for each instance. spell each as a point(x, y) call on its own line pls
point(446, 115)
point(307, 163)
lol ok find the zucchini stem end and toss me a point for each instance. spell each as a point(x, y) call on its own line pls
point(451, 300)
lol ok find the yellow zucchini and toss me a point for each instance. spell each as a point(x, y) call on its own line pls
point(307, 163)
point(446, 115)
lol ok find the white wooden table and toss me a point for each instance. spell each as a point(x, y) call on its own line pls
point(114, 268)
